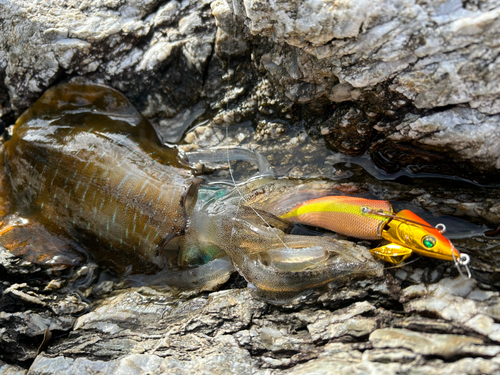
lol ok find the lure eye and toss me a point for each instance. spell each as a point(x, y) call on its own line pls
point(429, 241)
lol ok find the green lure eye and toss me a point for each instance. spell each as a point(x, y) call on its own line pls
point(429, 241)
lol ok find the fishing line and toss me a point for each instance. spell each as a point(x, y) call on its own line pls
point(403, 264)
point(463, 261)
point(234, 181)
point(440, 227)
point(241, 194)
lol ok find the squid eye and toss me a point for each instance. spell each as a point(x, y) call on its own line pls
point(429, 241)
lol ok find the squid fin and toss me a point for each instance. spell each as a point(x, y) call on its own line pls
point(392, 253)
point(31, 241)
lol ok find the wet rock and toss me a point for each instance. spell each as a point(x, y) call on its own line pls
point(412, 56)
point(416, 84)
point(28, 324)
point(6, 369)
point(396, 65)
point(42, 301)
point(348, 130)
point(12, 265)
point(435, 131)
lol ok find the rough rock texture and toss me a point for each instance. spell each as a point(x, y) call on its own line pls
point(403, 87)
point(391, 58)
point(423, 74)
point(162, 45)
point(355, 329)
point(417, 45)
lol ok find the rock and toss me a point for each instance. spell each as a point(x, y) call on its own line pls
point(224, 358)
point(389, 362)
point(431, 344)
point(45, 302)
point(457, 301)
point(344, 321)
point(434, 132)
point(6, 369)
point(365, 43)
point(396, 68)
point(409, 90)
point(348, 130)
point(414, 56)
point(108, 42)
point(146, 330)
point(162, 331)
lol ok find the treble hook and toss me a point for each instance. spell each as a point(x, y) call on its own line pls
point(462, 260)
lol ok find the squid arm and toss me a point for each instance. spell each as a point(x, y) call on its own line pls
point(278, 265)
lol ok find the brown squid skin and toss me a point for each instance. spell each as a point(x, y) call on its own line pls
point(83, 164)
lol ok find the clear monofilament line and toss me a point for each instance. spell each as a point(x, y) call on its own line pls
point(234, 181)
point(367, 210)
point(401, 265)
point(241, 194)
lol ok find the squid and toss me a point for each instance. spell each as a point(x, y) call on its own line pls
point(85, 176)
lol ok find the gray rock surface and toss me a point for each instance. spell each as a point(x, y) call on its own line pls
point(412, 55)
point(393, 65)
point(166, 46)
point(11, 369)
point(364, 43)
point(475, 135)
point(343, 331)
point(406, 83)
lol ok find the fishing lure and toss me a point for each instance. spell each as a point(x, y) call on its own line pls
point(375, 219)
